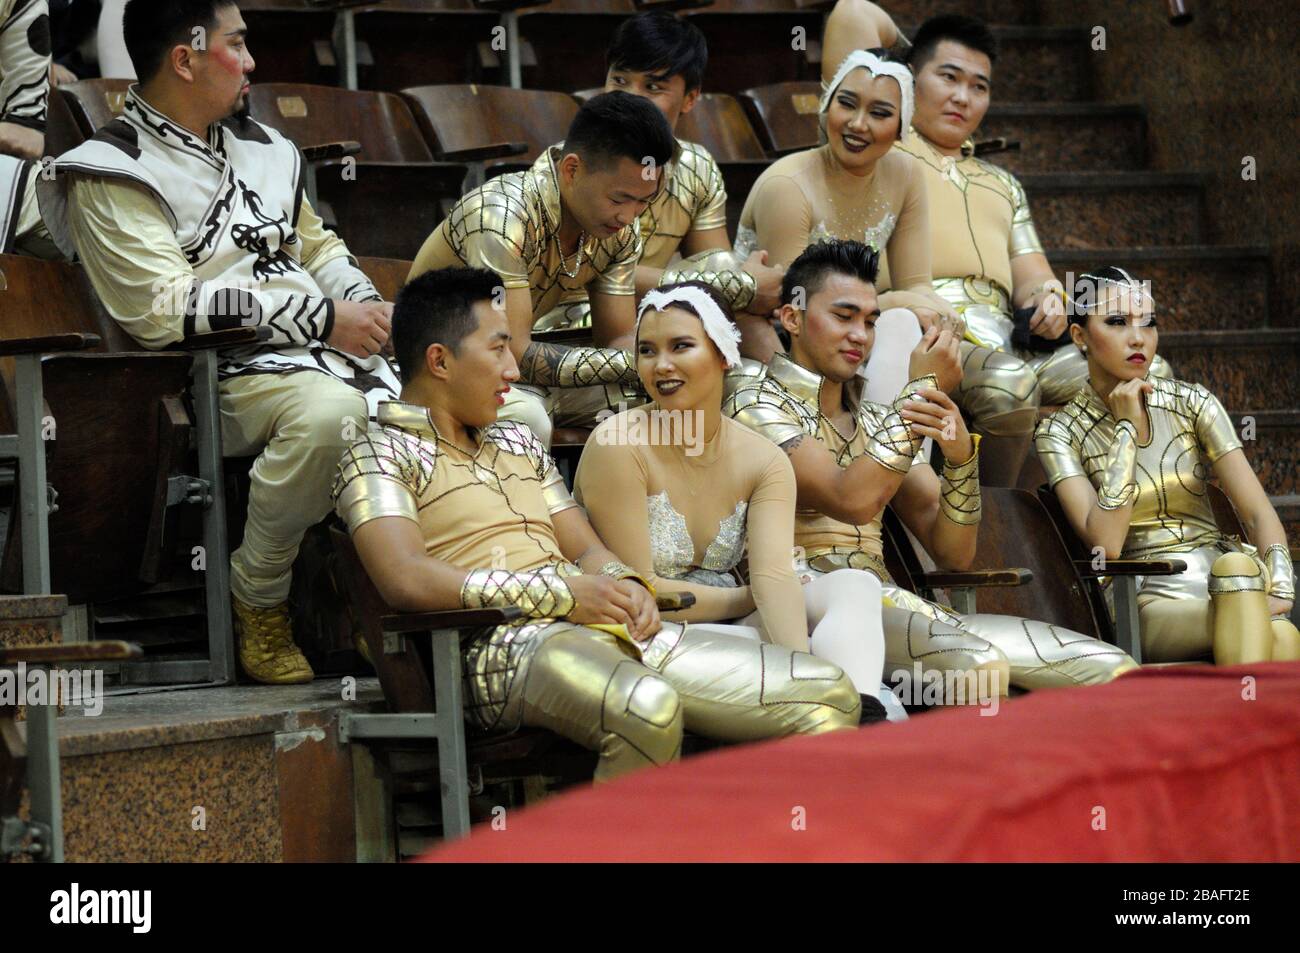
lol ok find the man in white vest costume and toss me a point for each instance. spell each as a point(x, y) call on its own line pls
point(24, 76)
point(190, 217)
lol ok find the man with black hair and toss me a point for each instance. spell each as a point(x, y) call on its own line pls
point(567, 225)
point(190, 217)
point(24, 76)
point(662, 58)
point(451, 508)
point(987, 259)
point(852, 457)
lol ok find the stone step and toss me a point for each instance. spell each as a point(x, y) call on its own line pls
point(1274, 451)
point(1195, 286)
point(263, 762)
point(1091, 137)
point(910, 13)
point(1108, 209)
point(1244, 368)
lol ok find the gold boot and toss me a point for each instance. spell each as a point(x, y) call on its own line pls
point(266, 648)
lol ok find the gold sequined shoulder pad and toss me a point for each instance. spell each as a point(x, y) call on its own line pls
point(388, 452)
point(515, 437)
point(767, 408)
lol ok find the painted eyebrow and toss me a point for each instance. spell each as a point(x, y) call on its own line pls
point(884, 102)
point(241, 32)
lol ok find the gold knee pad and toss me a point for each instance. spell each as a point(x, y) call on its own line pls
point(811, 695)
point(1286, 641)
point(1042, 655)
point(641, 721)
point(921, 637)
point(999, 391)
point(1238, 618)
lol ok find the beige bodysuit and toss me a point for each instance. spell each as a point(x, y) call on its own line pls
point(683, 519)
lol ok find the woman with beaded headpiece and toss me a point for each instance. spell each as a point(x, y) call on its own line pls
point(1129, 458)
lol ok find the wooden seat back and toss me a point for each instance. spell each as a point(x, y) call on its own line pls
point(718, 122)
point(468, 117)
point(94, 103)
point(784, 115)
point(311, 115)
point(118, 428)
point(387, 274)
point(404, 676)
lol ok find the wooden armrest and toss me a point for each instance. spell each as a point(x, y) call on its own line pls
point(448, 619)
point(673, 601)
point(226, 338)
point(495, 150)
point(563, 336)
point(11, 347)
point(1131, 567)
point(330, 150)
point(975, 579)
point(991, 146)
point(106, 651)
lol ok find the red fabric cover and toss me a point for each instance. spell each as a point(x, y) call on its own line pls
point(1185, 767)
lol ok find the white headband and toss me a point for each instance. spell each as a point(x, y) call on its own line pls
point(721, 332)
point(876, 67)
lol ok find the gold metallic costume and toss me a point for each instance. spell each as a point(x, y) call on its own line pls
point(980, 221)
point(784, 403)
point(1222, 593)
point(510, 225)
point(693, 199)
point(628, 701)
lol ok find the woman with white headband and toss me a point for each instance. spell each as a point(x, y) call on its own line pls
point(1129, 458)
point(682, 493)
point(854, 186)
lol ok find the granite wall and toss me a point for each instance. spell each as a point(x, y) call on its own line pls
point(1218, 90)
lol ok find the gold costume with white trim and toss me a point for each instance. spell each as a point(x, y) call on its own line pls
point(784, 403)
point(1225, 582)
point(491, 512)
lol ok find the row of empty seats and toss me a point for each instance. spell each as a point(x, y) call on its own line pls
point(417, 152)
point(405, 43)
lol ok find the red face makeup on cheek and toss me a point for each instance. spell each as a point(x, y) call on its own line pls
point(232, 61)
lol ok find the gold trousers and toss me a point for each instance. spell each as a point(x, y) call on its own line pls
point(1029, 654)
point(1218, 607)
point(718, 681)
point(298, 425)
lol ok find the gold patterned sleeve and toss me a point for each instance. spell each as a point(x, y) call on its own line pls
point(540, 593)
point(769, 414)
point(711, 210)
point(616, 263)
point(1057, 453)
point(1214, 429)
point(721, 270)
point(490, 228)
point(379, 476)
point(1117, 486)
point(891, 442)
point(1024, 237)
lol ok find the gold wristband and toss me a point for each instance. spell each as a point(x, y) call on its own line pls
point(1118, 487)
point(623, 571)
point(540, 593)
point(893, 443)
point(959, 488)
point(1281, 573)
point(584, 366)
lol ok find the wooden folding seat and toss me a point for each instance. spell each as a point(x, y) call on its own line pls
point(488, 124)
point(108, 430)
point(753, 42)
point(417, 42)
point(387, 274)
point(388, 197)
point(91, 104)
point(1091, 569)
point(784, 115)
point(565, 41)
